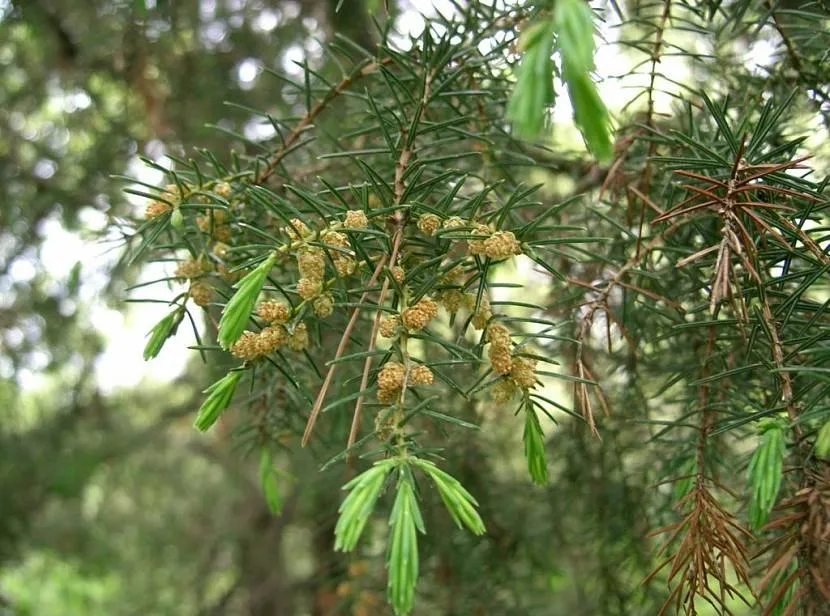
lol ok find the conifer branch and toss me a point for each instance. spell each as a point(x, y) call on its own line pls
point(403, 211)
point(341, 347)
point(400, 219)
point(645, 180)
point(303, 125)
point(793, 55)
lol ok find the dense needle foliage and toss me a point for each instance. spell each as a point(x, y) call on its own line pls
point(401, 268)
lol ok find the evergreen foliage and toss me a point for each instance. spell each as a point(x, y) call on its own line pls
point(686, 305)
point(413, 267)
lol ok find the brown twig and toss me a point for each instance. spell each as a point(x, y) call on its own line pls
point(655, 60)
point(312, 114)
point(400, 219)
point(581, 368)
point(797, 548)
point(321, 395)
point(367, 364)
point(710, 536)
point(645, 178)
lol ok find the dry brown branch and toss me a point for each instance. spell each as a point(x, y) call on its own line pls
point(800, 559)
point(709, 536)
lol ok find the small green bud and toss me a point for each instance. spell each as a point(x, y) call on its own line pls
point(823, 440)
point(219, 397)
point(534, 441)
point(161, 332)
point(268, 481)
point(534, 35)
point(533, 92)
point(355, 510)
point(765, 471)
point(575, 34)
point(590, 114)
point(177, 219)
point(769, 423)
point(574, 25)
point(459, 502)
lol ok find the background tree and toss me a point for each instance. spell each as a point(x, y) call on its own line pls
point(84, 508)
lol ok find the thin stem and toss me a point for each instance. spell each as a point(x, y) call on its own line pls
point(367, 364)
point(400, 218)
point(321, 395)
point(645, 181)
point(792, 54)
point(312, 114)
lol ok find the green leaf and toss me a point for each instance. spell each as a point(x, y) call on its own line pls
point(402, 555)
point(219, 397)
point(534, 440)
point(823, 440)
point(161, 332)
point(535, 35)
point(764, 473)
point(238, 309)
point(687, 477)
point(359, 504)
point(73, 283)
point(574, 26)
point(140, 8)
point(177, 219)
point(590, 114)
point(574, 22)
point(268, 481)
point(533, 92)
point(459, 502)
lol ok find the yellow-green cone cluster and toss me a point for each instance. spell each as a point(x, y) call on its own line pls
point(252, 345)
point(276, 313)
point(429, 223)
point(390, 381)
point(519, 372)
point(157, 207)
point(499, 354)
point(391, 378)
point(420, 314)
point(420, 375)
point(201, 293)
point(389, 326)
point(297, 229)
point(355, 219)
point(484, 313)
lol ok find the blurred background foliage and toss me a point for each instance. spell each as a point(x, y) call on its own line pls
point(109, 505)
point(109, 502)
